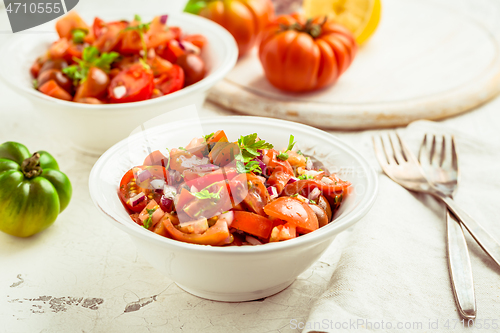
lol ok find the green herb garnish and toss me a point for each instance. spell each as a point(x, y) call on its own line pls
point(90, 58)
point(182, 148)
point(283, 155)
point(205, 194)
point(249, 147)
point(79, 35)
point(35, 83)
point(147, 222)
point(206, 137)
point(141, 28)
point(306, 177)
point(252, 166)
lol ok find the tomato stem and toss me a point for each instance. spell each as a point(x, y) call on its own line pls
point(31, 166)
point(313, 29)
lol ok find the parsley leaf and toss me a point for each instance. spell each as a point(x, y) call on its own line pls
point(249, 147)
point(90, 58)
point(205, 194)
point(79, 35)
point(306, 177)
point(283, 155)
point(251, 166)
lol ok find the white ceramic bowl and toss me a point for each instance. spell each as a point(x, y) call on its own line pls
point(95, 128)
point(233, 273)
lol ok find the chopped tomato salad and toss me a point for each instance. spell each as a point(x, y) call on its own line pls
point(119, 61)
point(220, 193)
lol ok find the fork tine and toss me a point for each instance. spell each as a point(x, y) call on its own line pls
point(397, 149)
point(454, 156)
point(383, 153)
point(443, 151)
point(433, 149)
point(409, 155)
point(379, 154)
point(423, 152)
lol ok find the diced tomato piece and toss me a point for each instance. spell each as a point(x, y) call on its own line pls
point(95, 85)
point(68, 23)
point(213, 177)
point(108, 35)
point(184, 198)
point(218, 137)
point(59, 49)
point(253, 224)
point(197, 40)
point(218, 234)
point(283, 232)
point(51, 88)
point(295, 212)
point(160, 66)
point(223, 153)
point(172, 51)
point(131, 85)
point(170, 81)
point(159, 33)
point(130, 42)
point(155, 217)
point(156, 158)
point(75, 50)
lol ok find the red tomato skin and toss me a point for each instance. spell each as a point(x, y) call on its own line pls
point(197, 40)
point(295, 212)
point(51, 88)
point(253, 224)
point(96, 85)
point(170, 81)
point(193, 67)
point(69, 22)
point(296, 61)
point(244, 19)
point(138, 81)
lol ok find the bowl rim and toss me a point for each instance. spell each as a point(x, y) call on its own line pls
point(227, 63)
point(340, 224)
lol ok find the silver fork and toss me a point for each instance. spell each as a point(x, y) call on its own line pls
point(400, 165)
point(440, 165)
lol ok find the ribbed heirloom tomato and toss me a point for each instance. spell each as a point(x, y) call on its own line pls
point(244, 19)
point(303, 55)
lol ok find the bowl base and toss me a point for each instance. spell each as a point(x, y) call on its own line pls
point(236, 297)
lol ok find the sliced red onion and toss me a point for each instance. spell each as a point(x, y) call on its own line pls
point(163, 19)
point(326, 180)
point(169, 192)
point(309, 164)
point(157, 185)
point(166, 203)
point(189, 47)
point(315, 193)
point(228, 217)
point(137, 199)
point(143, 176)
point(252, 240)
point(206, 168)
point(293, 180)
point(273, 192)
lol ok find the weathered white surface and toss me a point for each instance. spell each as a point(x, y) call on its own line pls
point(427, 60)
point(82, 255)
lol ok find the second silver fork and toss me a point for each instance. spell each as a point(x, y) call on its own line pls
point(440, 164)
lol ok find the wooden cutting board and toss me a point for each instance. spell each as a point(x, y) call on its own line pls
point(427, 60)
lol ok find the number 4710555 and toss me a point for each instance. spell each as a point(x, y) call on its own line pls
point(33, 8)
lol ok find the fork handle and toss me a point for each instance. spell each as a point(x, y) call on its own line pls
point(460, 269)
point(482, 237)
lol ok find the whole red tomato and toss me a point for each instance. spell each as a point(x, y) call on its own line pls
point(244, 19)
point(302, 55)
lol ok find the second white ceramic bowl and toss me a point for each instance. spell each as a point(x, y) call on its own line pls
point(95, 128)
point(233, 273)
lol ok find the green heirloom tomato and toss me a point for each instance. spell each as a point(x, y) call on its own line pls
point(32, 190)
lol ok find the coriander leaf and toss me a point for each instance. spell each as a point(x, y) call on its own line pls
point(90, 54)
point(79, 35)
point(35, 83)
point(300, 153)
point(313, 202)
point(253, 166)
point(306, 177)
point(137, 18)
point(182, 148)
point(240, 167)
